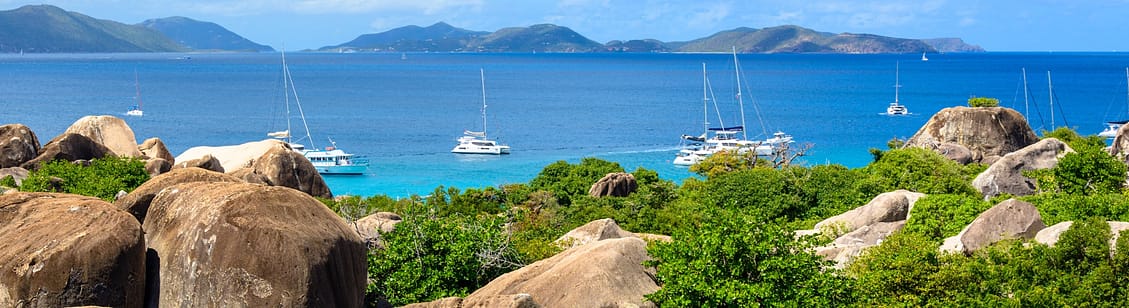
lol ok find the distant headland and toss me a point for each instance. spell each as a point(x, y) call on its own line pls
point(50, 29)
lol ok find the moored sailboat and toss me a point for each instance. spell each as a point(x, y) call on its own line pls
point(328, 161)
point(135, 110)
point(895, 108)
point(473, 142)
point(1113, 126)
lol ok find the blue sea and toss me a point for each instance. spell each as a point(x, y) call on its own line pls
point(405, 112)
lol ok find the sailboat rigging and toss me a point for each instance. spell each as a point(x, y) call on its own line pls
point(1113, 126)
point(135, 110)
point(473, 142)
point(328, 161)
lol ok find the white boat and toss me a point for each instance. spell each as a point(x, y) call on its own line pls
point(697, 148)
point(1113, 126)
point(923, 58)
point(895, 108)
point(328, 161)
point(135, 110)
point(473, 142)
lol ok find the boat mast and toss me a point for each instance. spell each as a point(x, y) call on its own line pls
point(137, 85)
point(289, 80)
point(1127, 86)
point(740, 101)
point(897, 79)
point(1051, 97)
point(1026, 106)
point(706, 102)
point(482, 77)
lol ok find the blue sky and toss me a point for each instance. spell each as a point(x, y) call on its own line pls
point(996, 25)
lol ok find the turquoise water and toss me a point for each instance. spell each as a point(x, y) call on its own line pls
point(628, 108)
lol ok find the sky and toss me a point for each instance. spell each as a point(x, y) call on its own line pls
point(995, 25)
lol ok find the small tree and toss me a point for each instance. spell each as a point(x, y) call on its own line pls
point(983, 102)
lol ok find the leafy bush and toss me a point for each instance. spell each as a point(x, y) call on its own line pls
point(937, 217)
point(567, 181)
point(918, 170)
point(897, 272)
point(1058, 207)
point(425, 259)
point(983, 102)
point(736, 261)
point(102, 179)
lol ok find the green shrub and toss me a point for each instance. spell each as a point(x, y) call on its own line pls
point(736, 261)
point(983, 102)
point(567, 181)
point(937, 217)
point(425, 259)
point(103, 179)
point(918, 170)
point(1058, 207)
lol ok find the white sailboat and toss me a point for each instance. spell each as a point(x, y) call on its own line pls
point(135, 110)
point(923, 58)
point(328, 161)
point(895, 108)
point(1113, 126)
point(725, 138)
point(473, 142)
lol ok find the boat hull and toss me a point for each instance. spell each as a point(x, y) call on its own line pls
point(481, 150)
point(342, 170)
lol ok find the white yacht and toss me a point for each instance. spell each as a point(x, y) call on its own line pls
point(895, 108)
point(328, 161)
point(476, 142)
point(135, 110)
point(697, 148)
point(1113, 126)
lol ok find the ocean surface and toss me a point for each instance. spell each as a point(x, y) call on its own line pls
point(404, 112)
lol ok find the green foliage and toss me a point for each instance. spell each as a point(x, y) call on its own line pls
point(1089, 171)
point(8, 181)
point(1059, 207)
point(939, 216)
point(1079, 270)
point(567, 181)
point(983, 102)
point(103, 179)
point(1074, 140)
point(425, 259)
point(918, 170)
point(736, 261)
point(728, 161)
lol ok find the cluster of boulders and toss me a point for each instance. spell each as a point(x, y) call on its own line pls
point(188, 237)
point(999, 137)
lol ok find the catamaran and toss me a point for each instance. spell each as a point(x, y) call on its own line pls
point(697, 148)
point(135, 110)
point(895, 108)
point(1113, 126)
point(328, 161)
point(473, 142)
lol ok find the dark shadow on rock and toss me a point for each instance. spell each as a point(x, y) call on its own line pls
point(152, 278)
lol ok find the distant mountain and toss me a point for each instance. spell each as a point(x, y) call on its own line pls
point(437, 37)
point(45, 28)
point(543, 37)
point(795, 39)
point(647, 45)
point(952, 45)
point(201, 35)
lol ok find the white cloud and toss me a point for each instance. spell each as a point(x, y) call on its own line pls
point(710, 16)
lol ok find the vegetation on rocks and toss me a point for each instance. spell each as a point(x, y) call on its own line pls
point(983, 102)
point(103, 178)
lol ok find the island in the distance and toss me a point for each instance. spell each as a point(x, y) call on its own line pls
point(49, 29)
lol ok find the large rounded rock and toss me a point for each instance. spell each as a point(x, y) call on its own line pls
point(1011, 219)
point(616, 184)
point(109, 131)
point(955, 152)
point(606, 273)
point(1049, 236)
point(68, 250)
point(989, 132)
point(233, 157)
point(594, 231)
point(155, 148)
point(18, 144)
point(1120, 146)
point(886, 207)
point(68, 147)
point(18, 174)
point(206, 162)
point(138, 201)
point(247, 245)
point(1005, 176)
point(847, 247)
point(157, 166)
point(287, 168)
point(370, 227)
